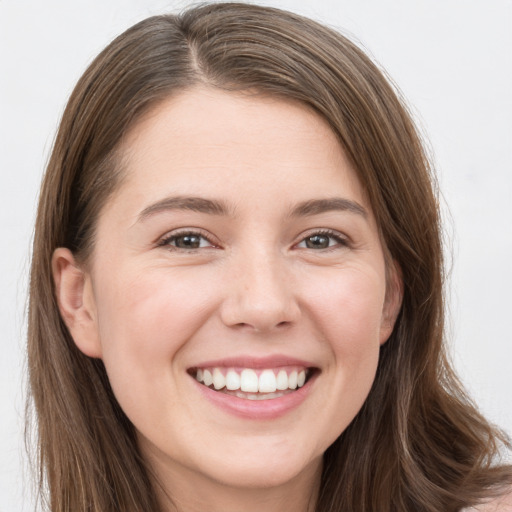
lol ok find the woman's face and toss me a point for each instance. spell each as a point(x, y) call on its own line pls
point(240, 247)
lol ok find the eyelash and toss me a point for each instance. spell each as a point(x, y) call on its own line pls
point(168, 240)
point(340, 241)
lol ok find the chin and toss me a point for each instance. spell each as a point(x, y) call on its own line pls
point(262, 475)
point(263, 467)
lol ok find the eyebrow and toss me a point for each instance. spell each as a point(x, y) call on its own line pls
point(318, 206)
point(195, 204)
point(216, 207)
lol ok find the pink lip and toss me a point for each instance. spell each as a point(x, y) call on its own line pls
point(257, 409)
point(255, 362)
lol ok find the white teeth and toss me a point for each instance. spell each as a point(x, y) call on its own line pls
point(282, 380)
point(232, 380)
point(267, 382)
point(207, 378)
point(266, 396)
point(219, 381)
point(249, 381)
point(292, 380)
point(259, 396)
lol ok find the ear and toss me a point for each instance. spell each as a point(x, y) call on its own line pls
point(392, 301)
point(75, 298)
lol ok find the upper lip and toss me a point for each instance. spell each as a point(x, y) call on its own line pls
point(246, 361)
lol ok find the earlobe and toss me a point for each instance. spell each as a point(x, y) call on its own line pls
point(392, 302)
point(76, 303)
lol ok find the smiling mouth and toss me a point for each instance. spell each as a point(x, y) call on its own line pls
point(253, 384)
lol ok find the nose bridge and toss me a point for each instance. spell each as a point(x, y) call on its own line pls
point(261, 294)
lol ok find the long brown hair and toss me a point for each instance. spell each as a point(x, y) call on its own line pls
point(418, 443)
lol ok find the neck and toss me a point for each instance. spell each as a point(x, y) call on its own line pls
point(180, 489)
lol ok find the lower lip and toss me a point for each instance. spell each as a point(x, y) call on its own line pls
point(257, 409)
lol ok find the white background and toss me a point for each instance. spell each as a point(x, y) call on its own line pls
point(452, 60)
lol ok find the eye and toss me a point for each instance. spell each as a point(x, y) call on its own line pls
point(189, 240)
point(322, 240)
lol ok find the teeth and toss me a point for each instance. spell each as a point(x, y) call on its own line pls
point(232, 380)
point(258, 396)
point(268, 383)
point(282, 380)
point(249, 381)
point(292, 380)
point(219, 381)
point(207, 378)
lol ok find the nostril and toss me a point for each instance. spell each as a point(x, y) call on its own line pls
point(258, 327)
point(257, 312)
point(242, 325)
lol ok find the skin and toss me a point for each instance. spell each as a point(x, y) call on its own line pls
point(500, 504)
point(151, 310)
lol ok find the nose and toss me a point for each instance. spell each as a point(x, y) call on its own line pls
point(260, 294)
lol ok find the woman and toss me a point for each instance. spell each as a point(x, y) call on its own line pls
point(236, 291)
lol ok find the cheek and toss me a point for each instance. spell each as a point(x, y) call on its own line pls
point(348, 309)
point(349, 313)
point(144, 321)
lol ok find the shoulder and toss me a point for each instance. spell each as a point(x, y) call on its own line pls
point(500, 504)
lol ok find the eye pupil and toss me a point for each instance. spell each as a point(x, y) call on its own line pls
point(317, 242)
point(188, 242)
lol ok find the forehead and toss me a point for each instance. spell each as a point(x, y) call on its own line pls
point(205, 141)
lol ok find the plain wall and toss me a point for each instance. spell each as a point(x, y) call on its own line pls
point(451, 59)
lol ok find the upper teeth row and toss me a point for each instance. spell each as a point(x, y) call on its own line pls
point(247, 380)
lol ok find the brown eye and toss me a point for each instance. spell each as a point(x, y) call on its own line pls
point(321, 241)
point(317, 242)
point(186, 241)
